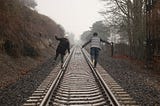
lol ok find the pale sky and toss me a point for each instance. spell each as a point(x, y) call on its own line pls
point(75, 16)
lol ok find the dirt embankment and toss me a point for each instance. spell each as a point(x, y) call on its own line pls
point(26, 40)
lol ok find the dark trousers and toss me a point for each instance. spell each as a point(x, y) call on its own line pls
point(94, 51)
point(62, 56)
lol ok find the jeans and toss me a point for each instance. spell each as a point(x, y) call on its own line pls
point(94, 52)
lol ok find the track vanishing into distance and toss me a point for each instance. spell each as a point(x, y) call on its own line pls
point(79, 84)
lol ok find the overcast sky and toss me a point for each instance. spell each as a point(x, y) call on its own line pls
point(75, 16)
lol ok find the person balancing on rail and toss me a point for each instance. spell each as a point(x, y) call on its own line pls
point(95, 47)
point(61, 48)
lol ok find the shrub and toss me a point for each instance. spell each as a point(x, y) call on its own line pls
point(9, 48)
point(28, 50)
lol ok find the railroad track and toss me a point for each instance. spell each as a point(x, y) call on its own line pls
point(77, 83)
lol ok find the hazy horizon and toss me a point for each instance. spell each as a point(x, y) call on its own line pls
point(76, 16)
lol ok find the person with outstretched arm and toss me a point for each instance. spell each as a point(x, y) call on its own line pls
point(61, 48)
point(95, 47)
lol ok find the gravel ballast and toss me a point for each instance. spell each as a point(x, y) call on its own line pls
point(16, 94)
point(142, 84)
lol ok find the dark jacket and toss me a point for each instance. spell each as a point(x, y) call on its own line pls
point(63, 45)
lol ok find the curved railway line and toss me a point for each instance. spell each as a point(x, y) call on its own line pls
point(79, 84)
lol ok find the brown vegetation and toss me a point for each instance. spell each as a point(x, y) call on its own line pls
point(26, 39)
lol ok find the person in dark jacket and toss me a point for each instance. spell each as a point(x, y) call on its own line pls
point(62, 47)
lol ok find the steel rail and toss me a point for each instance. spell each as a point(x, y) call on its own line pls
point(56, 81)
point(60, 84)
point(61, 93)
point(45, 93)
point(100, 80)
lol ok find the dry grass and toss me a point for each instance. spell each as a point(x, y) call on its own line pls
point(12, 69)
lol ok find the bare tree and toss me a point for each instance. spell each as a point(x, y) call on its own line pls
point(131, 14)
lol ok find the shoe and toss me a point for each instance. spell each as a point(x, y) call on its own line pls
point(94, 65)
point(61, 65)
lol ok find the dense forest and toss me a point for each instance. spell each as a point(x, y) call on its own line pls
point(26, 38)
